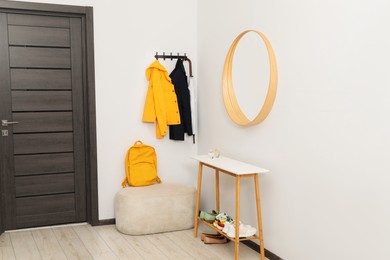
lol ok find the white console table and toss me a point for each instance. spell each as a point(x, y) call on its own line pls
point(238, 170)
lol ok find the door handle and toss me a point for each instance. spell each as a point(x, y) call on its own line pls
point(6, 123)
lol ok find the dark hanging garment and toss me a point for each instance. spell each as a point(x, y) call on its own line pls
point(179, 81)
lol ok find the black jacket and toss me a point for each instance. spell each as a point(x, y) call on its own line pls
point(179, 80)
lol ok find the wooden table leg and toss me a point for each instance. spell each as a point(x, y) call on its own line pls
point(259, 220)
point(196, 220)
point(237, 220)
point(217, 208)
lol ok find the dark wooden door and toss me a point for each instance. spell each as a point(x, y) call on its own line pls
point(41, 88)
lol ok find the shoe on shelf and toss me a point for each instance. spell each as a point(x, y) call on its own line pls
point(215, 240)
point(218, 225)
point(209, 217)
point(221, 219)
point(245, 230)
point(226, 228)
point(203, 235)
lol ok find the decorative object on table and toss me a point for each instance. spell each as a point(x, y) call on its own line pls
point(214, 153)
point(229, 97)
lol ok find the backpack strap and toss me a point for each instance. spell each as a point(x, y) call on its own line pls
point(124, 182)
point(127, 165)
point(157, 178)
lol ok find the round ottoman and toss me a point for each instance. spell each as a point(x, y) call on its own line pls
point(154, 209)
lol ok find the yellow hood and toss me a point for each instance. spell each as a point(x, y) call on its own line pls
point(156, 66)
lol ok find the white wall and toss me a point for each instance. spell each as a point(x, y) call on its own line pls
point(127, 35)
point(326, 140)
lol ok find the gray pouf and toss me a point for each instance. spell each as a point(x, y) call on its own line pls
point(154, 209)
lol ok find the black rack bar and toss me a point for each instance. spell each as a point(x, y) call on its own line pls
point(170, 56)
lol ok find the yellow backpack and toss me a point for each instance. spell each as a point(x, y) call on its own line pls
point(141, 165)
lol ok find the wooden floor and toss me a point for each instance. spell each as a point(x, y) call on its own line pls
point(105, 242)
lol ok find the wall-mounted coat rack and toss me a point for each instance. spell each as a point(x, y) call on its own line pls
point(178, 56)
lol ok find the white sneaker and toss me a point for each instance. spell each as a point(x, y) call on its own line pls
point(226, 228)
point(245, 230)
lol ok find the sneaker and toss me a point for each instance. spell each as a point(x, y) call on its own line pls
point(209, 217)
point(218, 225)
point(226, 228)
point(245, 230)
point(223, 217)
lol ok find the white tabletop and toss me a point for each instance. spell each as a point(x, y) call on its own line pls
point(230, 165)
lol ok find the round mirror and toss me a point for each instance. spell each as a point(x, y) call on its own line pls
point(250, 74)
point(250, 79)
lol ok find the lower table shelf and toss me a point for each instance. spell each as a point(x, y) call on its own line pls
point(222, 233)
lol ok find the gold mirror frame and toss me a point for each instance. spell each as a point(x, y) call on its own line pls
point(229, 97)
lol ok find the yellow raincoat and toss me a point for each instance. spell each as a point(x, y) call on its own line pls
point(161, 101)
